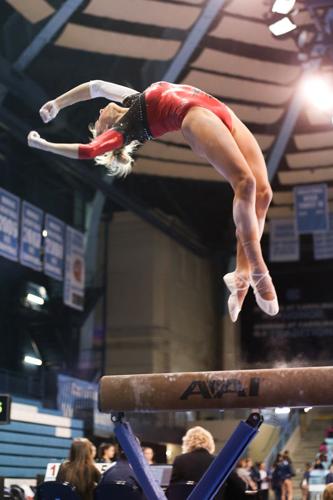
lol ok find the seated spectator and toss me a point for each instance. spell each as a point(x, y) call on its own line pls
point(148, 453)
point(198, 448)
point(323, 448)
point(121, 471)
point(329, 477)
point(318, 464)
point(328, 492)
point(106, 453)
point(79, 470)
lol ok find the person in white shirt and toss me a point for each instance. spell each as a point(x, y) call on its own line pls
point(264, 482)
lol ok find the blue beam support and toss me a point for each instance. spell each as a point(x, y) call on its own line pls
point(226, 460)
point(58, 20)
point(133, 451)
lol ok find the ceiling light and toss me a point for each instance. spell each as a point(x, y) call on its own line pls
point(282, 27)
point(282, 411)
point(35, 299)
point(30, 360)
point(306, 410)
point(318, 92)
point(283, 6)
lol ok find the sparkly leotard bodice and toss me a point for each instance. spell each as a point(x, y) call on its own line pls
point(161, 108)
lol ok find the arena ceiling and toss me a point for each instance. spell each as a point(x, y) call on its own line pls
point(134, 42)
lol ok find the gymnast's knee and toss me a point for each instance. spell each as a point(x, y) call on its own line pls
point(245, 188)
point(264, 197)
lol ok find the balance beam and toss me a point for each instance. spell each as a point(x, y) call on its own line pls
point(295, 387)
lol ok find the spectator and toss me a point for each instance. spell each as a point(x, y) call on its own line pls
point(263, 493)
point(253, 471)
point(243, 472)
point(287, 473)
point(79, 470)
point(149, 454)
point(329, 431)
point(286, 456)
point(323, 448)
point(305, 481)
point(121, 471)
point(106, 453)
point(318, 464)
point(198, 448)
point(328, 492)
point(277, 477)
point(329, 477)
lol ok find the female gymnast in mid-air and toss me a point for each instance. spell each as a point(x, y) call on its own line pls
point(212, 130)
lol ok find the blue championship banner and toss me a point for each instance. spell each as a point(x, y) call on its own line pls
point(9, 224)
point(323, 243)
point(74, 269)
point(311, 208)
point(31, 236)
point(283, 241)
point(54, 246)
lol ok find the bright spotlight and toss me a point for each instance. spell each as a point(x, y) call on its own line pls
point(35, 299)
point(44, 233)
point(283, 6)
point(282, 411)
point(282, 27)
point(318, 92)
point(30, 360)
point(306, 410)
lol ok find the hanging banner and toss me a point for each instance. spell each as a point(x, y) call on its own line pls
point(283, 241)
point(323, 243)
point(311, 208)
point(54, 247)
point(31, 236)
point(9, 224)
point(74, 269)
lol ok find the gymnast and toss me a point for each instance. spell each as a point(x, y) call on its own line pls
point(214, 133)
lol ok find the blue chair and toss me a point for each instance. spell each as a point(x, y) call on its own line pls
point(179, 491)
point(51, 490)
point(116, 491)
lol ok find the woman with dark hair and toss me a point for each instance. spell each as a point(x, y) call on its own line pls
point(79, 470)
point(106, 453)
point(213, 131)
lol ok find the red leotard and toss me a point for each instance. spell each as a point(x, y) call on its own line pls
point(167, 105)
point(161, 108)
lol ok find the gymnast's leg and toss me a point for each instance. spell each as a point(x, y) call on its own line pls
point(254, 158)
point(211, 139)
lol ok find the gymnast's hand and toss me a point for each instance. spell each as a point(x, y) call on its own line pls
point(35, 140)
point(49, 111)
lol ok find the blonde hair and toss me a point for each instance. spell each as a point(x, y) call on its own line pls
point(119, 162)
point(328, 492)
point(198, 437)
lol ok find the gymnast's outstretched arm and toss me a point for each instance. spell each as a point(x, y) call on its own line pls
point(84, 92)
point(108, 141)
